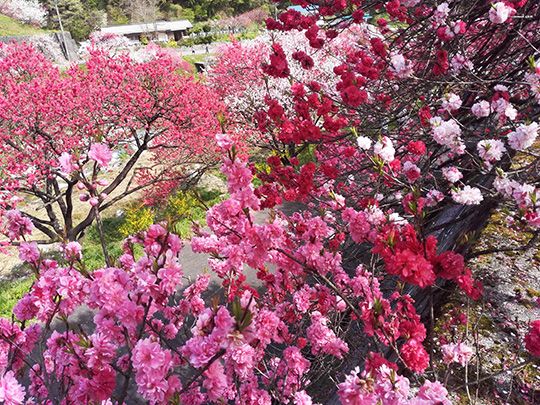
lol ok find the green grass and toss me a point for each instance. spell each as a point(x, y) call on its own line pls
point(92, 251)
point(11, 27)
point(11, 292)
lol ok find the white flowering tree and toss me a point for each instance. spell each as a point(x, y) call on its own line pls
point(26, 11)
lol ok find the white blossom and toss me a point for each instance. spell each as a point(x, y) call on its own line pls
point(467, 196)
point(384, 149)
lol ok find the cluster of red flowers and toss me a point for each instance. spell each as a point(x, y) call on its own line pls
point(278, 66)
point(417, 262)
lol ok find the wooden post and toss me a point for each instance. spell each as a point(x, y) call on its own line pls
point(64, 44)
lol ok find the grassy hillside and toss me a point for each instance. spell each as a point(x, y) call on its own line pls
point(11, 27)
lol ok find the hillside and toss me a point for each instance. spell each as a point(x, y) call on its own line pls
point(11, 27)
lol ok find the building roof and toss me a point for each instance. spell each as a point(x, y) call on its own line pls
point(158, 26)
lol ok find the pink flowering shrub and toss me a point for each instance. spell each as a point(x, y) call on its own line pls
point(155, 332)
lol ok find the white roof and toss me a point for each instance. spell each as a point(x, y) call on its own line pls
point(158, 26)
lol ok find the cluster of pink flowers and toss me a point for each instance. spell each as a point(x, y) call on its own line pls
point(457, 353)
point(381, 384)
point(490, 150)
point(500, 12)
point(17, 225)
point(26, 11)
point(100, 153)
point(452, 174)
point(447, 133)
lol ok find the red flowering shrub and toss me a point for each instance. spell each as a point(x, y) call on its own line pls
point(532, 339)
point(66, 128)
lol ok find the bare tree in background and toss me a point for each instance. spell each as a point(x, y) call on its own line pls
point(145, 11)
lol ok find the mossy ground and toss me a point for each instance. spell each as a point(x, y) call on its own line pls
point(496, 324)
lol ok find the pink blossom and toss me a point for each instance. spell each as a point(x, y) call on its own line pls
point(29, 252)
point(363, 142)
point(481, 109)
point(224, 141)
point(447, 133)
point(323, 339)
point(215, 382)
point(533, 79)
point(26, 308)
point(432, 393)
point(415, 356)
point(460, 62)
point(459, 27)
point(384, 149)
point(490, 150)
point(170, 277)
point(392, 388)
point(302, 398)
point(11, 392)
point(100, 153)
point(433, 197)
point(456, 353)
point(500, 12)
point(523, 137)
point(510, 112)
point(302, 299)
point(152, 365)
point(401, 66)
point(73, 251)
point(66, 163)
point(411, 171)
point(451, 102)
point(101, 352)
point(354, 391)
point(18, 225)
point(268, 326)
point(452, 174)
point(441, 13)
point(359, 226)
point(243, 357)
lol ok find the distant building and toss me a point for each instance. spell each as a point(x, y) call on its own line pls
point(161, 31)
